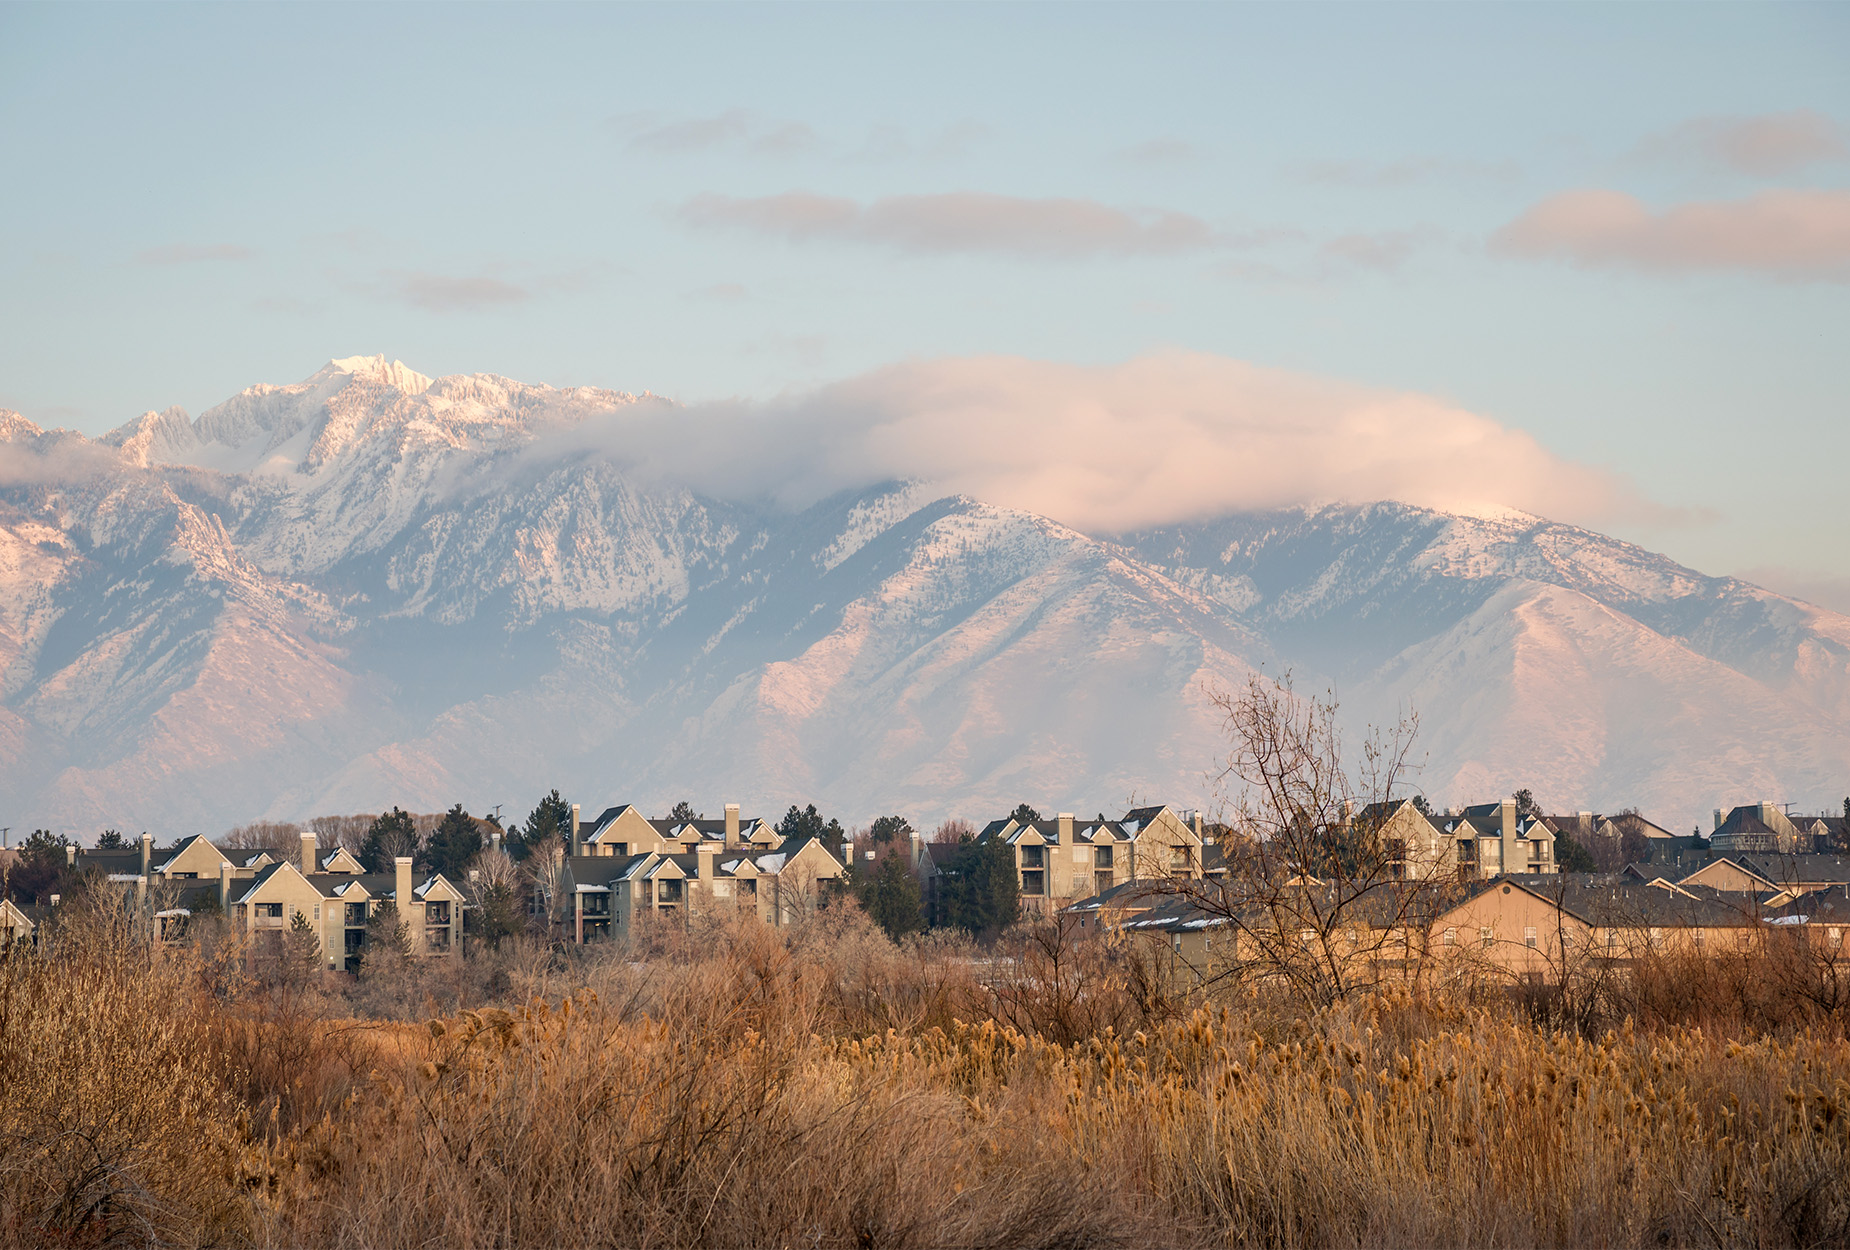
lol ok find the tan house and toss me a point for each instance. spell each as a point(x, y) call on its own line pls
point(624, 870)
point(1064, 859)
point(1780, 878)
point(338, 899)
point(1470, 844)
point(1538, 928)
point(15, 924)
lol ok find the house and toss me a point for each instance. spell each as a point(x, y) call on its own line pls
point(15, 924)
point(1471, 843)
point(1761, 828)
point(1535, 927)
point(338, 899)
point(1785, 876)
point(1065, 859)
point(623, 870)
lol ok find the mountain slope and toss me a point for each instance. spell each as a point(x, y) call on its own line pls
point(375, 587)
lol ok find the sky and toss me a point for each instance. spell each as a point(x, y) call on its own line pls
point(1593, 261)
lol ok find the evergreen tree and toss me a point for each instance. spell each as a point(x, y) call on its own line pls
point(890, 829)
point(301, 949)
point(1570, 856)
point(982, 887)
point(111, 840)
point(388, 837)
point(455, 841)
point(386, 935)
point(1024, 815)
point(1421, 806)
point(1842, 841)
point(683, 812)
point(552, 817)
point(889, 893)
point(40, 869)
point(808, 823)
point(1525, 803)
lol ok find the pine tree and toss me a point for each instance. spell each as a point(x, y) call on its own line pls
point(890, 829)
point(301, 948)
point(390, 836)
point(889, 894)
point(386, 935)
point(455, 841)
point(683, 812)
point(111, 840)
point(1024, 815)
point(551, 817)
point(983, 888)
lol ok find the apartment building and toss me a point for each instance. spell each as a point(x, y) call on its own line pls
point(1065, 859)
point(1471, 843)
point(623, 869)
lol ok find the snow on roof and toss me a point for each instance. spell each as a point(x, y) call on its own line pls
point(771, 863)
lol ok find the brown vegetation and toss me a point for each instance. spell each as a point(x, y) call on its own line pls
point(733, 1084)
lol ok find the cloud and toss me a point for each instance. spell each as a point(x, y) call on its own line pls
point(1159, 439)
point(1827, 590)
point(1791, 234)
point(30, 457)
point(734, 127)
point(436, 292)
point(965, 221)
point(1768, 146)
point(1383, 251)
point(193, 253)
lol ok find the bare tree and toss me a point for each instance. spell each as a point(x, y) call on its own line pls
point(1315, 896)
point(341, 832)
point(545, 870)
point(280, 838)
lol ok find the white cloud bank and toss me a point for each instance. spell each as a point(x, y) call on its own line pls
point(1160, 439)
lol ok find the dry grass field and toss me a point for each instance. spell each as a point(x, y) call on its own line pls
point(742, 1086)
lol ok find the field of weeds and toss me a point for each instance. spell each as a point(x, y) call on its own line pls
point(820, 1087)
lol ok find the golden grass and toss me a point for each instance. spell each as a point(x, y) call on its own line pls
point(743, 1086)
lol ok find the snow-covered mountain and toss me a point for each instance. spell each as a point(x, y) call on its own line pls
point(372, 587)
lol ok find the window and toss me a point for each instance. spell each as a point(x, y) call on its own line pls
point(1612, 940)
point(437, 939)
point(1176, 943)
point(272, 911)
point(1655, 938)
point(1695, 937)
point(1467, 852)
point(1179, 858)
point(597, 904)
point(1449, 938)
point(356, 913)
point(1486, 936)
point(1101, 857)
point(749, 886)
point(1101, 881)
point(317, 911)
point(668, 891)
point(1033, 856)
point(1034, 882)
point(1835, 936)
point(1528, 936)
point(1081, 854)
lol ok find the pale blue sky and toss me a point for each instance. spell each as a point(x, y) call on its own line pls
point(199, 198)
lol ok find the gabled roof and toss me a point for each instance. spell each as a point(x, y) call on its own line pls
point(1797, 869)
point(1616, 900)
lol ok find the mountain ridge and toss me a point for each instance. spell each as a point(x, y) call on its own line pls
point(374, 587)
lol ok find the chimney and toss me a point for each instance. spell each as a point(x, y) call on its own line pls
point(308, 852)
point(1066, 828)
point(70, 857)
point(401, 898)
point(1197, 823)
point(147, 854)
point(575, 847)
point(705, 856)
point(732, 824)
point(224, 886)
point(918, 848)
point(1506, 810)
point(1718, 818)
point(494, 836)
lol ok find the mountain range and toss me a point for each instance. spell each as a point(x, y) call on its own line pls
point(373, 587)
